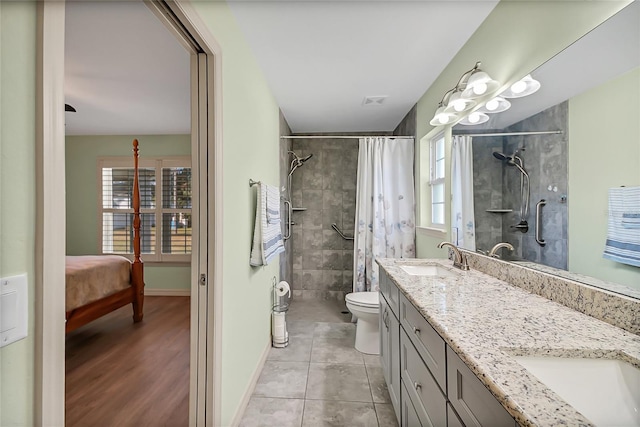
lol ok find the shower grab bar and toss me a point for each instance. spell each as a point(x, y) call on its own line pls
point(335, 227)
point(287, 234)
point(539, 238)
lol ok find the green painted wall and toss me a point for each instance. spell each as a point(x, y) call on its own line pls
point(517, 37)
point(251, 150)
point(604, 152)
point(251, 140)
point(17, 196)
point(82, 154)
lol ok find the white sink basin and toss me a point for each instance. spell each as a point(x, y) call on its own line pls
point(604, 390)
point(426, 270)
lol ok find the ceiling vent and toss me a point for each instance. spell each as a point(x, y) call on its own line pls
point(373, 100)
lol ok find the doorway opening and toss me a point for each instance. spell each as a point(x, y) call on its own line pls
point(127, 77)
point(206, 166)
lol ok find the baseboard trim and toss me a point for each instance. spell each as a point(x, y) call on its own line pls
point(167, 292)
point(252, 386)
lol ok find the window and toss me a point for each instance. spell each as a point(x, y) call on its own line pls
point(165, 208)
point(436, 180)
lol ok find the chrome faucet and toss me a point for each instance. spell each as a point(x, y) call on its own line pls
point(459, 260)
point(494, 250)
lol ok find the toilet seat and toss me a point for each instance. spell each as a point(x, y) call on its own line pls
point(364, 299)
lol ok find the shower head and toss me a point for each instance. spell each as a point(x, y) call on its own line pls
point(304, 159)
point(500, 156)
point(297, 161)
point(512, 161)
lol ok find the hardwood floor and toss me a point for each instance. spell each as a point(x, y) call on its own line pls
point(123, 374)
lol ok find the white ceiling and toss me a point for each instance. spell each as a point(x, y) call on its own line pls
point(125, 73)
point(323, 58)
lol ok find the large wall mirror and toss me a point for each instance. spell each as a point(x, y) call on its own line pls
point(581, 138)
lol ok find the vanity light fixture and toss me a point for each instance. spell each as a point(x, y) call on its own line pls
point(523, 87)
point(461, 98)
point(480, 83)
point(442, 117)
point(495, 105)
point(459, 104)
point(474, 118)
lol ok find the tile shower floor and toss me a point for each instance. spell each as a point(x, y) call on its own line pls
point(320, 379)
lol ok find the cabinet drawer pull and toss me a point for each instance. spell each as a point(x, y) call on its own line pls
point(417, 386)
point(416, 330)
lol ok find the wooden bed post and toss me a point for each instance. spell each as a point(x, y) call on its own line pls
point(137, 271)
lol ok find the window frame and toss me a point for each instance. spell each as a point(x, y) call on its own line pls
point(435, 180)
point(157, 163)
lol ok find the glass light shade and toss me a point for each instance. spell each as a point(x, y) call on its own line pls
point(523, 87)
point(474, 118)
point(479, 84)
point(495, 105)
point(458, 104)
point(441, 117)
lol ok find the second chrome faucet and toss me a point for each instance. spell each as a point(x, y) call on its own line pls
point(459, 260)
point(493, 252)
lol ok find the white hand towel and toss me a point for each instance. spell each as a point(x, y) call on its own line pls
point(267, 236)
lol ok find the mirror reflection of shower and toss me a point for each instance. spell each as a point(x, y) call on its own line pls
point(525, 190)
point(296, 162)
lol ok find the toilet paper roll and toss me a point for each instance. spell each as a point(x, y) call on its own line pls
point(279, 330)
point(283, 289)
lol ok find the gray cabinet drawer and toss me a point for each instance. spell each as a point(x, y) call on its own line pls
point(384, 338)
point(475, 405)
point(426, 396)
point(390, 291)
point(452, 417)
point(426, 340)
point(382, 282)
point(409, 415)
point(390, 353)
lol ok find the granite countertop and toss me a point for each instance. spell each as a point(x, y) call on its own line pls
point(486, 321)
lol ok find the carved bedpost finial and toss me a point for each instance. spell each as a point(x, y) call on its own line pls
point(136, 205)
point(137, 272)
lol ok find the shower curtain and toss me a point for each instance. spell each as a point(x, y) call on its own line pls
point(385, 207)
point(463, 221)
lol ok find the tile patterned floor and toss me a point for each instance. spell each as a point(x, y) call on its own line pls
point(320, 379)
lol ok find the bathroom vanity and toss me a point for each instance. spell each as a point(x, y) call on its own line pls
point(454, 346)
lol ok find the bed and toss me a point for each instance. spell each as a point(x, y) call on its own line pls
point(99, 284)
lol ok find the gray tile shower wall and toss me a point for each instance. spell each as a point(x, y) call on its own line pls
point(326, 188)
point(286, 258)
point(487, 193)
point(408, 125)
point(497, 186)
point(545, 159)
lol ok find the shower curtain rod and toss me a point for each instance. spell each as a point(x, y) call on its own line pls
point(546, 132)
point(343, 136)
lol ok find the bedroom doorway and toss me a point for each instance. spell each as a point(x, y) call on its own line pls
point(206, 163)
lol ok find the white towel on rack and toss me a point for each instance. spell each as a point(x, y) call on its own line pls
point(623, 231)
point(267, 236)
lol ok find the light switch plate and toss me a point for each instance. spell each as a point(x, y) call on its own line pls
point(14, 312)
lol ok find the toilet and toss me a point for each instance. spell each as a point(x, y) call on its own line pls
point(366, 306)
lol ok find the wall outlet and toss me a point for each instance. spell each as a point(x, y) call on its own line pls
point(14, 312)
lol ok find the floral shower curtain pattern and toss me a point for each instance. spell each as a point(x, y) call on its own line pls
point(385, 207)
point(463, 220)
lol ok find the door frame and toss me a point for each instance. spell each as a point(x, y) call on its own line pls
point(206, 301)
